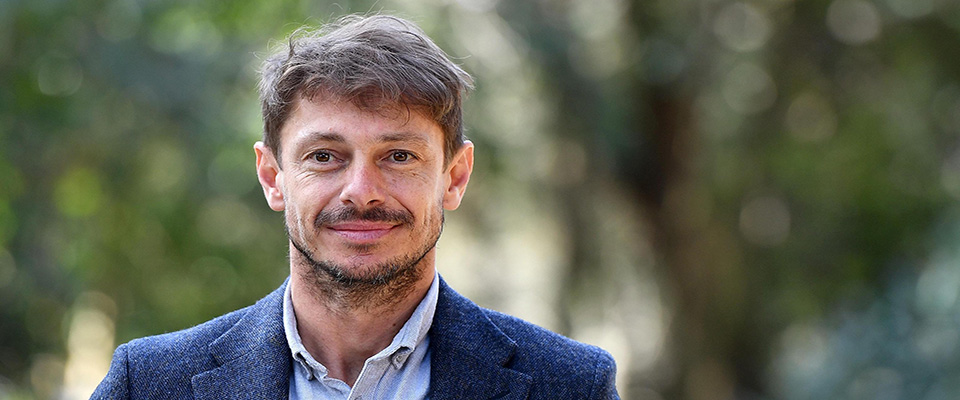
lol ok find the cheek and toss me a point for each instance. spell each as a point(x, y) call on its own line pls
point(298, 213)
point(419, 196)
point(432, 209)
point(293, 221)
point(308, 197)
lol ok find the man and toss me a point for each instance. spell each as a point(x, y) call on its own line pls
point(363, 150)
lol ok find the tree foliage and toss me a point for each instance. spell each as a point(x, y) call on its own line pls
point(737, 198)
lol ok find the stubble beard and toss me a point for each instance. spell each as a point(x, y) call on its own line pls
point(344, 288)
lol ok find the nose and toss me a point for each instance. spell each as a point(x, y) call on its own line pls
point(363, 186)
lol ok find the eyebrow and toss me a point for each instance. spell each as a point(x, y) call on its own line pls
point(336, 137)
point(323, 136)
point(402, 137)
point(304, 142)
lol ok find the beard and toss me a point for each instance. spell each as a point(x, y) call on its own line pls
point(365, 286)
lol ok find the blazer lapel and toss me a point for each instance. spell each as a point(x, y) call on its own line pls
point(253, 355)
point(469, 354)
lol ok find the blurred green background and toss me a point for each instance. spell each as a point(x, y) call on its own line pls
point(738, 199)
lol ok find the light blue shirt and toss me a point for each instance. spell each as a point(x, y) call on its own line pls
point(400, 371)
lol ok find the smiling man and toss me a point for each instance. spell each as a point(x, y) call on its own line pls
point(363, 150)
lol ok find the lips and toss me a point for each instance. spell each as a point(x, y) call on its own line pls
point(362, 232)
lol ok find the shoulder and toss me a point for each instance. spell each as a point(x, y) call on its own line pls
point(557, 361)
point(176, 355)
point(180, 347)
point(558, 367)
point(161, 366)
point(546, 345)
point(190, 349)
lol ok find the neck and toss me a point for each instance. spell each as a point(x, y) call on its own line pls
point(342, 331)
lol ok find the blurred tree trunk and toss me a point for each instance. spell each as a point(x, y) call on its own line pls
point(655, 158)
point(701, 257)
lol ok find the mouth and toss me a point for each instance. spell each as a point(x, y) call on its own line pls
point(362, 232)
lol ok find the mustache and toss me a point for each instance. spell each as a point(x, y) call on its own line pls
point(352, 214)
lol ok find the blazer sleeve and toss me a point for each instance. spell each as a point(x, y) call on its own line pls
point(115, 386)
point(605, 379)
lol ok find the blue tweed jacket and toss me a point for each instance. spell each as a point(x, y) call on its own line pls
point(476, 354)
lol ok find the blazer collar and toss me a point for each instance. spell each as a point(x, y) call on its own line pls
point(253, 356)
point(470, 354)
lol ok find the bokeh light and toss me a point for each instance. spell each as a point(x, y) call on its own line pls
point(737, 199)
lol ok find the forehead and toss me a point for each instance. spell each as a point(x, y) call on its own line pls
point(311, 120)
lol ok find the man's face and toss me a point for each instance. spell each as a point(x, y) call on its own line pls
point(363, 192)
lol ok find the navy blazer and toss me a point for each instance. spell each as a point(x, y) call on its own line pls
point(475, 354)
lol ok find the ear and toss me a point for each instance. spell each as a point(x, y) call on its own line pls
point(270, 175)
point(458, 174)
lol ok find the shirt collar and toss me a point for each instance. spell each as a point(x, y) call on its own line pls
point(413, 333)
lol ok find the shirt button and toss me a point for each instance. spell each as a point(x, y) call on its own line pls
point(398, 359)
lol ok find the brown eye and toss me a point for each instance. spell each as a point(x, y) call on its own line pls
point(321, 156)
point(401, 156)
